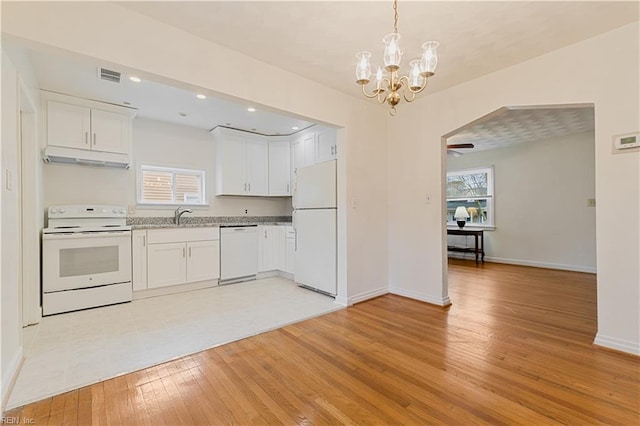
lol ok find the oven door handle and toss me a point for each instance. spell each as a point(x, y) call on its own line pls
point(81, 235)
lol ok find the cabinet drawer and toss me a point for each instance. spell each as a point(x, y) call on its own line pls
point(181, 235)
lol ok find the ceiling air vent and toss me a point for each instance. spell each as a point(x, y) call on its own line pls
point(110, 75)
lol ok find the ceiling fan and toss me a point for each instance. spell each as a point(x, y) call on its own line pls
point(451, 148)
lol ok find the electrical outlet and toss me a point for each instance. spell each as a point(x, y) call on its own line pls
point(131, 210)
point(591, 202)
point(246, 211)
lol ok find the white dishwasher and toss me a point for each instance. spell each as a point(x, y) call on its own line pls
point(238, 253)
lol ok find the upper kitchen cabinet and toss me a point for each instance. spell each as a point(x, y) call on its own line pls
point(86, 132)
point(279, 167)
point(326, 146)
point(242, 163)
point(315, 145)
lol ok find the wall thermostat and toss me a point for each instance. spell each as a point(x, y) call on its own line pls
point(627, 141)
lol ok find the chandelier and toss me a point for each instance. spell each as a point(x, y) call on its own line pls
point(388, 87)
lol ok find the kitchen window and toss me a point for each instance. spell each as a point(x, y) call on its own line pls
point(472, 189)
point(169, 186)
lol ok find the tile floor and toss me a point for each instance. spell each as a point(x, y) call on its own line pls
point(72, 350)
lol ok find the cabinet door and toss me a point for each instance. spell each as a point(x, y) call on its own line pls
point(326, 148)
point(203, 260)
point(230, 165)
point(290, 255)
point(68, 125)
point(269, 248)
point(257, 167)
point(279, 168)
point(109, 132)
point(139, 259)
point(166, 264)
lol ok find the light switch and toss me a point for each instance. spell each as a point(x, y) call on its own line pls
point(591, 202)
point(427, 199)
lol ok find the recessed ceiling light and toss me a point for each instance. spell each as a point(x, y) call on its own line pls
point(295, 128)
point(135, 79)
point(251, 109)
point(201, 96)
point(182, 114)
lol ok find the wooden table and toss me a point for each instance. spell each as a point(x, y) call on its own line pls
point(478, 235)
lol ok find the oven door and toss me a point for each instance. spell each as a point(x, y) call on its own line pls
point(85, 259)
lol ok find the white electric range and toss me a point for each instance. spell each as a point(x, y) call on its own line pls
point(86, 258)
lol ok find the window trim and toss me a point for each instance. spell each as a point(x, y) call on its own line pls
point(173, 170)
point(490, 197)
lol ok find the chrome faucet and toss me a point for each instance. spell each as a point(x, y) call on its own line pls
point(178, 214)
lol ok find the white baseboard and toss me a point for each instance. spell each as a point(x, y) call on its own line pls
point(439, 301)
point(342, 300)
point(9, 380)
point(368, 295)
point(535, 264)
point(617, 344)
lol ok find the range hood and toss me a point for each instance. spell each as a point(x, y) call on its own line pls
point(56, 154)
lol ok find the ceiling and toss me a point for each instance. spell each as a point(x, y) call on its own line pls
point(80, 77)
point(319, 39)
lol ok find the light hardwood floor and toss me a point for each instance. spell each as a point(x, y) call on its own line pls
point(514, 348)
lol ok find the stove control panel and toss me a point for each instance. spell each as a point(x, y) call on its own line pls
point(87, 211)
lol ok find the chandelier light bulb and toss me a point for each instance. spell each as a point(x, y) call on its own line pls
point(379, 74)
point(415, 79)
point(429, 58)
point(392, 52)
point(363, 69)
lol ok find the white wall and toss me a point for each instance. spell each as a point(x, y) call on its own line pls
point(111, 33)
point(10, 301)
point(160, 144)
point(417, 239)
point(541, 190)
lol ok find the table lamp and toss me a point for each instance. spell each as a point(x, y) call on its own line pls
point(461, 215)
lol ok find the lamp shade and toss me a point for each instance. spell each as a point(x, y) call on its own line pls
point(461, 213)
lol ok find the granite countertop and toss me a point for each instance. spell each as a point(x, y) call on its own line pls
point(205, 221)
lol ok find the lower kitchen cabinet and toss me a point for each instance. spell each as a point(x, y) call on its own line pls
point(277, 248)
point(200, 263)
point(166, 264)
point(290, 251)
point(139, 259)
point(168, 257)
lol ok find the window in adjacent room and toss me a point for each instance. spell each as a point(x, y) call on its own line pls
point(169, 186)
point(472, 189)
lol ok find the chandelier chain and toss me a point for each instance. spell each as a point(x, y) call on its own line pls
point(395, 16)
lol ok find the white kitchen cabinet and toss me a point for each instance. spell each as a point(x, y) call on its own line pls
point(279, 167)
point(242, 163)
point(303, 150)
point(326, 146)
point(202, 261)
point(86, 125)
point(257, 166)
point(290, 250)
point(178, 256)
point(272, 247)
point(166, 264)
point(139, 259)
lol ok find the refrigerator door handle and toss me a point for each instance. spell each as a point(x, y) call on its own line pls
point(295, 231)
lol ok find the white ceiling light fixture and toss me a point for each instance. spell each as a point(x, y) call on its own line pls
point(251, 109)
point(201, 96)
point(295, 128)
point(135, 79)
point(388, 87)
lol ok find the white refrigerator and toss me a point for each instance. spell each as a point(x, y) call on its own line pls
point(314, 220)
